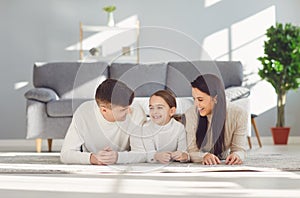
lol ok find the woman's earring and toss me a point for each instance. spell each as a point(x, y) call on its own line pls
point(215, 99)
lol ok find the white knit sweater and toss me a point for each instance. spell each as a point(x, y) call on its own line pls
point(92, 132)
point(155, 138)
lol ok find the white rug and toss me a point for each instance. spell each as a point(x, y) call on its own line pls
point(49, 163)
point(283, 158)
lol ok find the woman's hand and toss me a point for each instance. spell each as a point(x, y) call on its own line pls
point(233, 159)
point(163, 157)
point(210, 159)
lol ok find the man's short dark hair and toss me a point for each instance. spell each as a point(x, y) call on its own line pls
point(114, 92)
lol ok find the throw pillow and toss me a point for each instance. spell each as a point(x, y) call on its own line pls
point(235, 93)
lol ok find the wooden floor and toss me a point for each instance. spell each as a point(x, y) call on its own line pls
point(204, 184)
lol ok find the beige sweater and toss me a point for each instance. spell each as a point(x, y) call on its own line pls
point(234, 137)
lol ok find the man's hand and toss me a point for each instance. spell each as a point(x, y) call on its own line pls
point(210, 159)
point(233, 159)
point(163, 157)
point(94, 160)
point(104, 157)
point(180, 156)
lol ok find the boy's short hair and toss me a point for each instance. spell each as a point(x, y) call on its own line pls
point(114, 92)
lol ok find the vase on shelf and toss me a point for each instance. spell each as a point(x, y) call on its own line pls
point(110, 19)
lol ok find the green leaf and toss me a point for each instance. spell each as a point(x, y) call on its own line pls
point(110, 8)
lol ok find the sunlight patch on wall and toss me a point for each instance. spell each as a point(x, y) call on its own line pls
point(217, 44)
point(20, 85)
point(263, 98)
point(248, 54)
point(247, 40)
point(243, 41)
point(208, 3)
point(252, 27)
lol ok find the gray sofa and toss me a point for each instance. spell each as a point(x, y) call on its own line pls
point(60, 87)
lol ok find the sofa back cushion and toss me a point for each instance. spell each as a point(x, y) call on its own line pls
point(144, 79)
point(181, 74)
point(70, 79)
point(231, 72)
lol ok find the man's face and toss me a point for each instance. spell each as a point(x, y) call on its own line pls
point(113, 113)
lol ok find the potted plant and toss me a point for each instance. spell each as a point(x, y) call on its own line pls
point(281, 68)
point(110, 9)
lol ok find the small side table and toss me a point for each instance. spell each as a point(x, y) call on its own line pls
point(253, 116)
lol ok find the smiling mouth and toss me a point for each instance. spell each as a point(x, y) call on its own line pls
point(200, 109)
point(156, 117)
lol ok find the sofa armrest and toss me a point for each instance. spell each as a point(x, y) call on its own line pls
point(41, 94)
point(245, 104)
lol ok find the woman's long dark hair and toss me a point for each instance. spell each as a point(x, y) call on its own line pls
point(212, 86)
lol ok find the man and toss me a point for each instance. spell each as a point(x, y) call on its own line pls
point(100, 129)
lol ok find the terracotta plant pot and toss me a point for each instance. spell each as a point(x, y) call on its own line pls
point(280, 134)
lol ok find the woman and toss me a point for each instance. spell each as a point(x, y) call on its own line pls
point(215, 131)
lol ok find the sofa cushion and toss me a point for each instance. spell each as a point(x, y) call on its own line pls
point(231, 72)
point(144, 79)
point(41, 94)
point(63, 107)
point(70, 79)
point(181, 74)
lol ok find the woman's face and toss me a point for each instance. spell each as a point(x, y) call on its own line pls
point(160, 112)
point(204, 102)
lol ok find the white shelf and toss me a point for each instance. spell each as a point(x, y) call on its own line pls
point(111, 59)
point(112, 40)
point(93, 28)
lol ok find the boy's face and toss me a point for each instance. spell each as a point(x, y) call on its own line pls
point(113, 113)
point(160, 112)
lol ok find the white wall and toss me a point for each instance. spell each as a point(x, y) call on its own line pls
point(40, 30)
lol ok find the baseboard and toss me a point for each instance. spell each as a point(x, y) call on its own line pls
point(268, 140)
point(29, 145)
